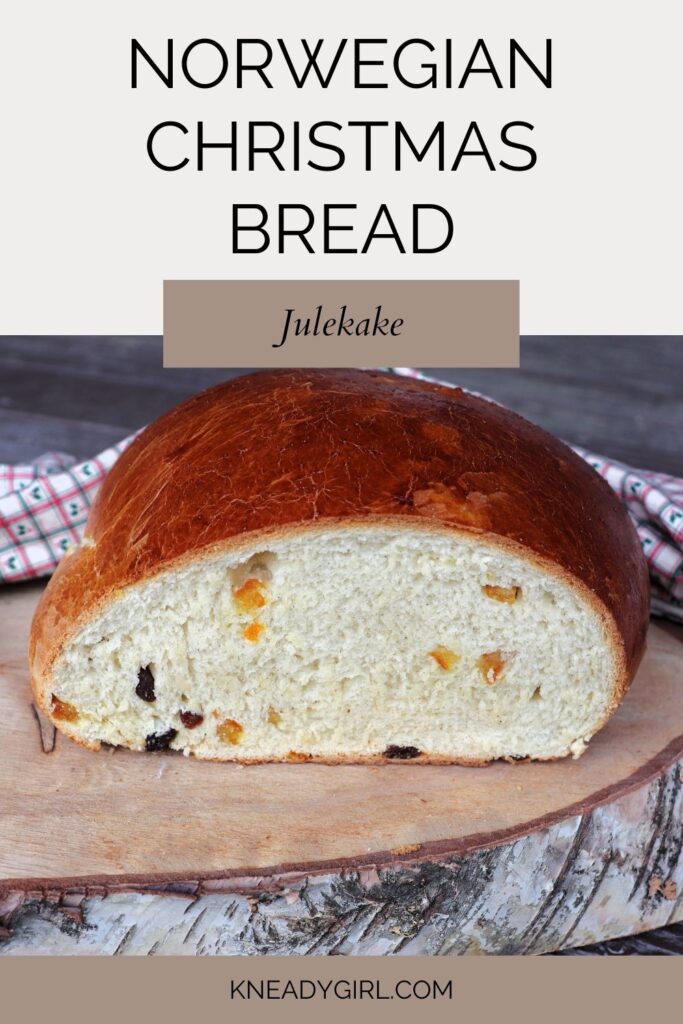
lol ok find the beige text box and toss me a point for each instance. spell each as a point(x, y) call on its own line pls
point(341, 323)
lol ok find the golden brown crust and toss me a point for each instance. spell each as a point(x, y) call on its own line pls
point(305, 449)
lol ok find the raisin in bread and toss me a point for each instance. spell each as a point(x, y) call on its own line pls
point(344, 566)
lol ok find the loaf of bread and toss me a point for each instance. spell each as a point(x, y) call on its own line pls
point(344, 566)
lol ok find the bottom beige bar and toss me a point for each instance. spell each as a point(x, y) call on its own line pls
point(305, 989)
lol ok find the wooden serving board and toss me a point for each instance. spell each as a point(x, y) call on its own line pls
point(77, 822)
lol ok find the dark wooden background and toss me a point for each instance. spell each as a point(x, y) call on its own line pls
point(620, 396)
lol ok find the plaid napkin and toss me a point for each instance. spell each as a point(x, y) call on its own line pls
point(43, 509)
point(44, 506)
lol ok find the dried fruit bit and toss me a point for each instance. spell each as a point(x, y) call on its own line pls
point(401, 753)
point(491, 666)
point(249, 597)
point(145, 687)
point(230, 731)
point(190, 720)
point(294, 755)
point(508, 595)
point(63, 710)
point(274, 717)
point(444, 657)
point(160, 740)
point(253, 631)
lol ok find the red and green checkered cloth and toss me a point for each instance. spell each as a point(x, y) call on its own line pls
point(43, 509)
point(44, 506)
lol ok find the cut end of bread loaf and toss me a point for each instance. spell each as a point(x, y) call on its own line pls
point(345, 643)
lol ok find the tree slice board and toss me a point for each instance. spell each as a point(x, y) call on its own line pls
point(312, 858)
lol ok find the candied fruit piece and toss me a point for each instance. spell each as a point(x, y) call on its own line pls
point(397, 753)
point(444, 657)
point(508, 595)
point(274, 717)
point(492, 665)
point(145, 687)
point(230, 731)
point(253, 631)
point(249, 597)
point(63, 710)
point(295, 755)
point(160, 740)
point(191, 720)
